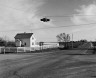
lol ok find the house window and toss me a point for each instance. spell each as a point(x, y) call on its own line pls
point(32, 43)
point(25, 44)
point(32, 38)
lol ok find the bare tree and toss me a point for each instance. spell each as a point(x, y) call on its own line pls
point(62, 37)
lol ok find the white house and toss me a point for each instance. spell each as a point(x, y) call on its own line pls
point(25, 40)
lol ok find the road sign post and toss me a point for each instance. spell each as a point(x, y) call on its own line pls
point(41, 45)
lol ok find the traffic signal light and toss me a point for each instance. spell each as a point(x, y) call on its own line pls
point(45, 19)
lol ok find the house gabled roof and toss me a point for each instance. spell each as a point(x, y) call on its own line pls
point(23, 35)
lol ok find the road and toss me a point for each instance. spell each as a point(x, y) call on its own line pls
point(59, 64)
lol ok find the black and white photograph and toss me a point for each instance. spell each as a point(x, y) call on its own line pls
point(47, 38)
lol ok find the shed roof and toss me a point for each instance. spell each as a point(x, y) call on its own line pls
point(23, 35)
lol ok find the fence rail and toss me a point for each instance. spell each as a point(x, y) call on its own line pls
point(23, 49)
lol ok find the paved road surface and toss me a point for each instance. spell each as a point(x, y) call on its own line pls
point(60, 64)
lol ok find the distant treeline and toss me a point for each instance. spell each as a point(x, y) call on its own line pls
point(94, 43)
point(71, 44)
point(7, 44)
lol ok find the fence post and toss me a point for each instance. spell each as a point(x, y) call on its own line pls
point(30, 49)
point(4, 50)
point(9, 49)
point(17, 49)
point(24, 49)
point(0, 49)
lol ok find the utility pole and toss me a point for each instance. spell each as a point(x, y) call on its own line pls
point(72, 40)
point(41, 45)
point(31, 30)
point(32, 24)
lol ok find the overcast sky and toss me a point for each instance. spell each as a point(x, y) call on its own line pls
point(24, 16)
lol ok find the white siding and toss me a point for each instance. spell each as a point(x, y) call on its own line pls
point(26, 42)
point(32, 41)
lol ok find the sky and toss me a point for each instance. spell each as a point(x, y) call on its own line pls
point(18, 16)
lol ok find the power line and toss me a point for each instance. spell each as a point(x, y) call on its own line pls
point(49, 16)
point(46, 15)
point(11, 8)
point(51, 27)
point(65, 26)
point(62, 16)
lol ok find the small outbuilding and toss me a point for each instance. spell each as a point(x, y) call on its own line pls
point(25, 40)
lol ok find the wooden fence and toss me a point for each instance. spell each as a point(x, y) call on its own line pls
point(23, 49)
